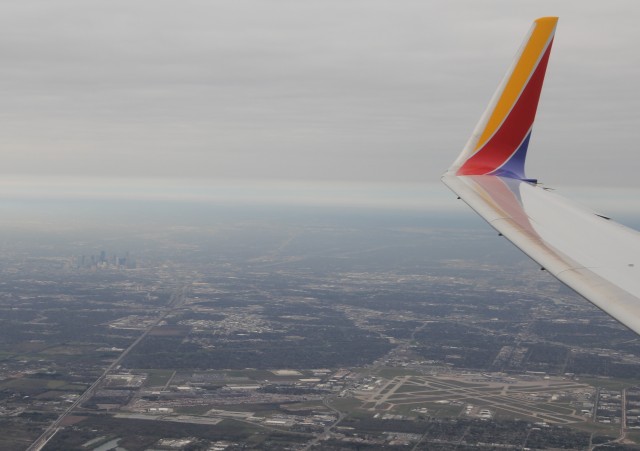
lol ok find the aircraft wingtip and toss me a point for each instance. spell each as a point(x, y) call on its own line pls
point(498, 145)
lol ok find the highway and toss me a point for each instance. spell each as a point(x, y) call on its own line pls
point(176, 301)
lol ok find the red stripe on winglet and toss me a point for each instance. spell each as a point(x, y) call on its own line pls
point(514, 129)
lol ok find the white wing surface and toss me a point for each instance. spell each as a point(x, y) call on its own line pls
point(597, 257)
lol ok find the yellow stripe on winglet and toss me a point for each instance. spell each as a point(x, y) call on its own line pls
point(543, 29)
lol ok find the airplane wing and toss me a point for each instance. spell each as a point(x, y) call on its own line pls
point(597, 257)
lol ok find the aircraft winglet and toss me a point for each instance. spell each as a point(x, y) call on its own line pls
point(498, 145)
point(589, 252)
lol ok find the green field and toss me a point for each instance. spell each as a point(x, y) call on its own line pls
point(157, 378)
point(634, 436)
point(440, 410)
point(609, 384)
point(26, 383)
point(345, 404)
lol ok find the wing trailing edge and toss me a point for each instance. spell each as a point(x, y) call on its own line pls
point(597, 257)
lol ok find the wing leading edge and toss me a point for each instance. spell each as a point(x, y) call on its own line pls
point(597, 257)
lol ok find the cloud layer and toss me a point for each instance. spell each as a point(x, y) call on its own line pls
point(364, 90)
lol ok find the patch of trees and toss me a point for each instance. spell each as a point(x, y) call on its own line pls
point(324, 346)
point(580, 333)
point(558, 437)
point(602, 366)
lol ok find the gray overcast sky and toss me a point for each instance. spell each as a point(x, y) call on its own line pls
point(362, 90)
